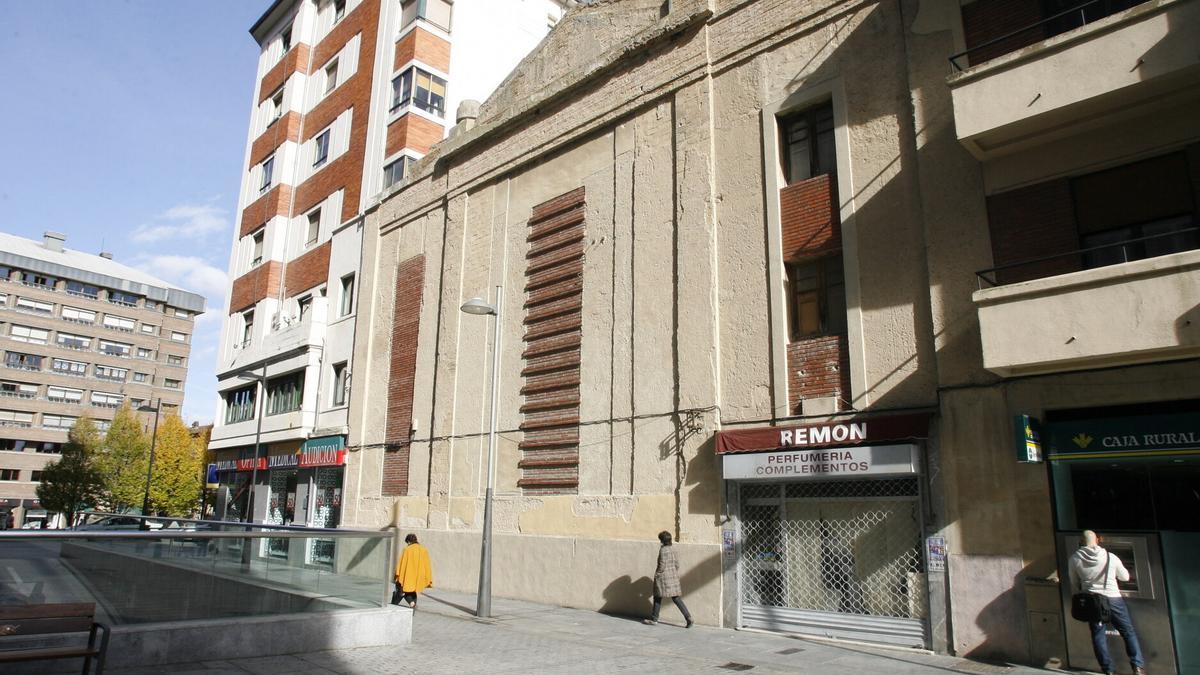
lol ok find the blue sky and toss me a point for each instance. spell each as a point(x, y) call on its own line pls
point(127, 124)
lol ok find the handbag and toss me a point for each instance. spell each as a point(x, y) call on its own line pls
point(1092, 607)
point(397, 593)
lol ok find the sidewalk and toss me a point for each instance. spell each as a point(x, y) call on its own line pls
point(525, 637)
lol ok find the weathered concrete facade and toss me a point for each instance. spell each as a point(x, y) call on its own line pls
point(667, 115)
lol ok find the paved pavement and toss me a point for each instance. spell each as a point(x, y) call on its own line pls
point(525, 637)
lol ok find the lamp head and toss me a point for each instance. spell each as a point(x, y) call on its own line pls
point(478, 306)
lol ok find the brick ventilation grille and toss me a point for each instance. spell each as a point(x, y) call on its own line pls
point(986, 20)
point(818, 367)
point(1033, 222)
point(406, 323)
point(551, 359)
point(810, 223)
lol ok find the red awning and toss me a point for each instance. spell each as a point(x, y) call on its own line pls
point(858, 430)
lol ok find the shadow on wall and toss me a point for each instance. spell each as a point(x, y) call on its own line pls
point(1187, 327)
point(626, 597)
point(1004, 625)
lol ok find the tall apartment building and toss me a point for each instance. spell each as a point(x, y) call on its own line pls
point(80, 333)
point(797, 281)
point(349, 94)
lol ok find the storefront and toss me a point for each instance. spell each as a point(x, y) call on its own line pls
point(1135, 481)
point(829, 528)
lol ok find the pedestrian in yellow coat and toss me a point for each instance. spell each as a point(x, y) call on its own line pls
point(413, 573)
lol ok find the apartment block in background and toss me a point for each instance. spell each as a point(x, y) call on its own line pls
point(349, 94)
point(80, 333)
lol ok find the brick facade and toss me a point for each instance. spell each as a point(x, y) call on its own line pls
point(553, 336)
point(257, 284)
point(1033, 222)
point(307, 271)
point(282, 130)
point(809, 219)
point(985, 20)
point(425, 47)
point(412, 131)
point(274, 203)
point(406, 324)
point(818, 367)
point(295, 61)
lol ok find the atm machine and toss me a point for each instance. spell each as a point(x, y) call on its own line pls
point(1144, 593)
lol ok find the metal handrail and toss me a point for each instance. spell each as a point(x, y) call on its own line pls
point(164, 533)
point(1002, 38)
point(982, 274)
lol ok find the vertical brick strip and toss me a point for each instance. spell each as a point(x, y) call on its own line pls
point(818, 367)
point(406, 323)
point(553, 337)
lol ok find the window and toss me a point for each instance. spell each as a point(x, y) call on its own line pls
point(321, 148)
point(305, 305)
point(8, 474)
point(78, 315)
point(39, 280)
point(808, 144)
point(149, 329)
point(82, 290)
point(21, 361)
point(182, 314)
point(347, 305)
point(145, 353)
point(436, 12)
point(339, 10)
point(118, 323)
point(284, 393)
point(68, 367)
point(68, 341)
point(331, 74)
point(817, 301)
point(64, 395)
point(122, 298)
point(18, 389)
point(174, 360)
point(247, 329)
point(3, 299)
point(48, 447)
point(141, 377)
point(111, 374)
point(268, 169)
point(106, 400)
point(150, 304)
point(15, 418)
point(115, 348)
point(314, 228)
point(171, 384)
point(285, 40)
point(239, 404)
point(35, 476)
point(394, 171)
point(58, 421)
point(35, 306)
point(256, 254)
point(35, 336)
point(429, 94)
point(277, 104)
point(339, 383)
point(178, 337)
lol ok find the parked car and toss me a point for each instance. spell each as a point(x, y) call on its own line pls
point(109, 523)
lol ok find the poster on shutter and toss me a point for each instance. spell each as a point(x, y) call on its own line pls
point(935, 548)
point(727, 541)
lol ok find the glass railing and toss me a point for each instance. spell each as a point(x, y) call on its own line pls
point(182, 570)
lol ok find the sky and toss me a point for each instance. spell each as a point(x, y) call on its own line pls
point(126, 129)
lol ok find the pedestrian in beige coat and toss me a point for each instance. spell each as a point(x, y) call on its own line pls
point(666, 581)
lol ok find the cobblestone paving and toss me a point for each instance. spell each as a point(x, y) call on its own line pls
point(530, 638)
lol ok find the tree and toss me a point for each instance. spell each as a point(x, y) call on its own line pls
point(122, 461)
point(73, 483)
point(179, 457)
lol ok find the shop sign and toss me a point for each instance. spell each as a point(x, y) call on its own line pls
point(1148, 435)
point(1028, 436)
point(854, 431)
point(878, 460)
point(322, 458)
point(283, 461)
point(226, 464)
point(251, 463)
point(210, 476)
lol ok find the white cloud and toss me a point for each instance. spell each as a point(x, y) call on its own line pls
point(186, 221)
point(189, 273)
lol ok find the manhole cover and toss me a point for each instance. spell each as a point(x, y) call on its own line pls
point(737, 666)
point(793, 650)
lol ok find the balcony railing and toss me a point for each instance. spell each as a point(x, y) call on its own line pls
point(119, 328)
point(1050, 26)
point(23, 366)
point(68, 373)
point(16, 424)
point(32, 284)
point(123, 303)
point(64, 399)
point(81, 294)
point(18, 394)
point(85, 322)
point(110, 378)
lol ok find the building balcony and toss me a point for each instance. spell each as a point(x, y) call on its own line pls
point(1133, 62)
point(1122, 314)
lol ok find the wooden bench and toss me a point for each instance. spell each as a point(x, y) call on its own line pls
point(54, 618)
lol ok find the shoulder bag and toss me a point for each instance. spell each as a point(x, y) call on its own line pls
point(1092, 607)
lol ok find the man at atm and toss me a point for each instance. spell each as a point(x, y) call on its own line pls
point(1094, 570)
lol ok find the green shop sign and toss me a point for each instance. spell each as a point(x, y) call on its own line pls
point(1147, 436)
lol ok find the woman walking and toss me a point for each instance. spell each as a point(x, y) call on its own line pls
point(666, 581)
point(414, 572)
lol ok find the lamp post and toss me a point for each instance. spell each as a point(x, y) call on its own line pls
point(145, 524)
point(480, 307)
point(259, 413)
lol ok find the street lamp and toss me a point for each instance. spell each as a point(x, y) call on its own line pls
point(145, 525)
point(480, 307)
point(258, 410)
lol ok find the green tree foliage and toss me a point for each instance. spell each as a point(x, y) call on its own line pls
point(123, 459)
point(177, 466)
point(73, 483)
